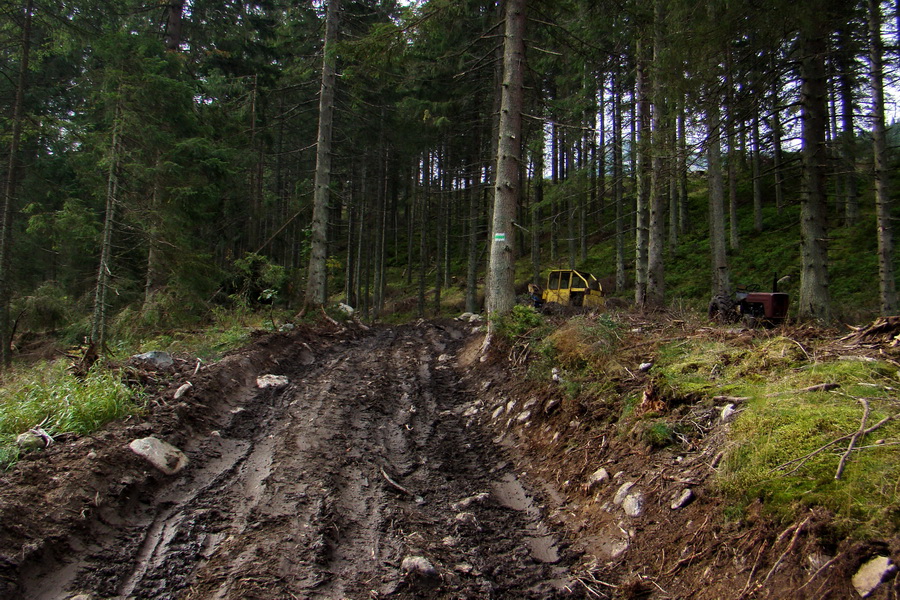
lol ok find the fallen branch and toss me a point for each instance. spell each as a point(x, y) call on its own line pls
point(329, 319)
point(753, 570)
point(819, 387)
point(856, 436)
point(394, 484)
point(803, 459)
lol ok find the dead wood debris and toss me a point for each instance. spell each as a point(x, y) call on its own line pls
point(884, 331)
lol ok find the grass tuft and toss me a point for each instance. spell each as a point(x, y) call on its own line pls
point(48, 395)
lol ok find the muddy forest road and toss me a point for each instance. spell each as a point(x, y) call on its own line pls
point(361, 478)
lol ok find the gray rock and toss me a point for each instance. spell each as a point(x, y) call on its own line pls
point(551, 404)
point(597, 478)
point(418, 565)
point(622, 493)
point(181, 391)
point(155, 359)
point(467, 502)
point(273, 381)
point(871, 574)
point(727, 412)
point(165, 457)
point(633, 504)
point(33, 440)
point(683, 499)
point(524, 416)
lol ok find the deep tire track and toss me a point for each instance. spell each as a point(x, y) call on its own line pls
point(290, 497)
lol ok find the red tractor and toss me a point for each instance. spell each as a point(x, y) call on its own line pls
point(751, 306)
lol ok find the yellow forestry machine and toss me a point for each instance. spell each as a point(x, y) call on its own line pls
point(567, 287)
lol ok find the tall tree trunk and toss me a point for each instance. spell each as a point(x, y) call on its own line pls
point(175, 10)
point(883, 202)
point(472, 246)
point(657, 210)
point(618, 175)
point(814, 298)
point(720, 276)
point(777, 153)
point(316, 286)
point(536, 209)
point(848, 134)
point(101, 291)
point(501, 275)
point(757, 178)
point(731, 117)
point(9, 191)
point(684, 223)
point(642, 175)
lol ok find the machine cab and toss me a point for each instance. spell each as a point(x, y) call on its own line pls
point(573, 288)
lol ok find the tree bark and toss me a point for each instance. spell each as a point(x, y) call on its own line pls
point(316, 286)
point(655, 295)
point(720, 275)
point(883, 202)
point(757, 178)
point(9, 191)
point(642, 175)
point(175, 12)
point(814, 297)
point(618, 185)
point(98, 321)
point(536, 209)
point(501, 275)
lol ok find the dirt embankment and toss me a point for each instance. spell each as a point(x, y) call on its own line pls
point(392, 463)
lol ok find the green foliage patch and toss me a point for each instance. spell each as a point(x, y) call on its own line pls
point(785, 446)
point(49, 396)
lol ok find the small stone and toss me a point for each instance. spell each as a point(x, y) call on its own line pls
point(727, 412)
point(181, 391)
point(510, 405)
point(155, 359)
point(444, 357)
point(524, 416)
point(871, 574)
point(644, 367)
point(165, 457)
point(551, 404)
point(817, 560)
point(467, 502)
point(598, 477)
point(622, 492)
point(466, 518)
point(418, 565)
point(633, 504)
point(31, 441)
point(683, 499)
point(497, 412)
point(274, 381)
